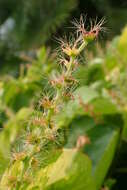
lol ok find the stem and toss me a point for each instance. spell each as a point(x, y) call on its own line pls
point(49, 115)
point(69, 66)
point(57, 99)
point(83, 45)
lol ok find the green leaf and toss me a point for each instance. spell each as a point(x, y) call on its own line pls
point(104, 106)
point(111, 59)
point(9, 134)
point(124, 132)
point(122, 46)
point(101, 150)
point(73, 108)
point(103, 145)
point(79, 126)
point(17, 94)
point(90, 73)
point(72, 170)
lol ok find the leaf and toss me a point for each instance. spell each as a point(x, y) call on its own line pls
point(124, 132)
point(111, 57)
point(79, 126)
point(73, 108)
point(104, 106)
point(72, 170)
point(90, 73)
point(103, 145)
point(17, 94)
point(122, 46)
point(101, 150)
point(9, 134)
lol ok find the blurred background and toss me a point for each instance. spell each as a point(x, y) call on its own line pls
point(27, 25)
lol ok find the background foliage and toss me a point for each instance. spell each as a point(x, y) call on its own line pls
point(26, 29)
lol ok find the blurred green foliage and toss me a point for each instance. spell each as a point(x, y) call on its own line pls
point(104, 122)
point(25, 25)
point(102, 88)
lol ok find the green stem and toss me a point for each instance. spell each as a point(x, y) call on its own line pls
point(83, 45)
point(69, 66)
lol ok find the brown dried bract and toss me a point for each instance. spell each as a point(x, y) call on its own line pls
point(81, 141)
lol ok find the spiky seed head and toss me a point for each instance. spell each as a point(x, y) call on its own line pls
point(12, 180)
point(19, 156)
point(92, 33)
point(70, 48)
point(32, 139)
point(27, 178)
point(34, 162)
point(41, 121)
point(47, 103)
point(71, 52)
point(58, 82)
point(68, 95)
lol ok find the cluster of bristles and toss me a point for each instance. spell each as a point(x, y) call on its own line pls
point(43, 131)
